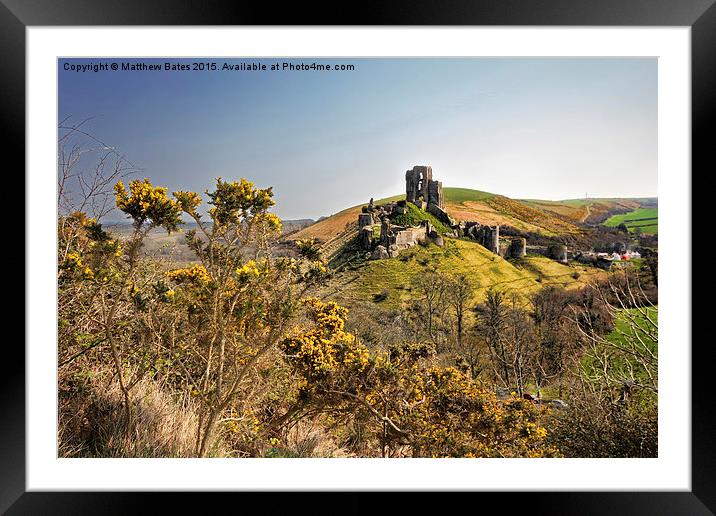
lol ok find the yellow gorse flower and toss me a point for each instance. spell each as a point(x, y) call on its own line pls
point(188, 201)
point(145, 202)
point(196, 274)
point(247, 271)
point(73, 261)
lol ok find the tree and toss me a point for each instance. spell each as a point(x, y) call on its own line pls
point(148, 207)
point(459, 293)
point(520, 343)
point(430, 309)
point(87, 169)
point(626, 358)
point(613, 397)
point(549, 313)
point(491, 323)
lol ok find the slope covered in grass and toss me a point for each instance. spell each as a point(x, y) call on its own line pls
point(460, 195)
point(395, 277)
point(632, 331)
point(498, 209)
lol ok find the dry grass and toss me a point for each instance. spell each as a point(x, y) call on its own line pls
point(308, 439)
point(93, 425)
point(329, 227)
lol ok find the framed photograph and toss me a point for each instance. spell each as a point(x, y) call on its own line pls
point(419, 252)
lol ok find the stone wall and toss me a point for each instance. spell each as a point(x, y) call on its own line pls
point(435, 194)
point(409, 237)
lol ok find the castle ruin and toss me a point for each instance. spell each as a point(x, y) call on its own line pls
point(427, 194)
point(421, 190)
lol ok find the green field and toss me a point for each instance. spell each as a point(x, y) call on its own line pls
point(622, 327)
point(646, 219)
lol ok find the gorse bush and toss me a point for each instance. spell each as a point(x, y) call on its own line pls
point(426, 410)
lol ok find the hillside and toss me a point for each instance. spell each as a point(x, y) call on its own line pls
point(393, 279)
point(487, 208)
point(461, 204)
point(590, 211)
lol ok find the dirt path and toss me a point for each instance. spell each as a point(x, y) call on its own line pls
point(589, 212)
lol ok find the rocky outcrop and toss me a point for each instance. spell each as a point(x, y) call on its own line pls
point(365, 238)
point(380, 253)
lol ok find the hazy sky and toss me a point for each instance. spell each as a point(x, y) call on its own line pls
point(326, 140)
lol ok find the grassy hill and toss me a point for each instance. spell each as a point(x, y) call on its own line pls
point(393, 278)
point(461, 204)
point(497, 209)
point(623, 333)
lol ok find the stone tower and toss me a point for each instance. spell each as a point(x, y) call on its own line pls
point(420, 187)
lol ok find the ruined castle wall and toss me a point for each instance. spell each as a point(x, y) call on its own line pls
point(426, 176)
point(365, 219)
point(518, 248)
point(365, 237)
point(435, 194)
point(410, 236)
point(417, 183)
point(412, 181)
point(385, 232)
point(440, 214)
point(491, 238)
point(558, 252)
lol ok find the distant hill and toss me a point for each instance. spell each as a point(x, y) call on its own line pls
point(287, 226)
point(173, 246)
point(489, 208)
point(594, 210)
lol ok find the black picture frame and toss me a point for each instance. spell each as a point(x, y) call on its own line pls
point(700, 15)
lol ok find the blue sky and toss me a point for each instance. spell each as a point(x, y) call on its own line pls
point(550, 128)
